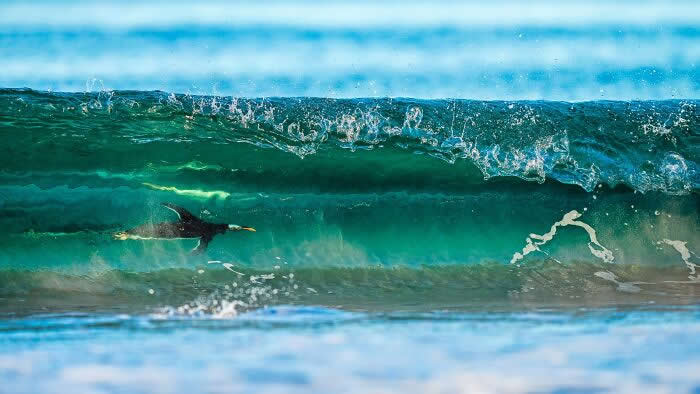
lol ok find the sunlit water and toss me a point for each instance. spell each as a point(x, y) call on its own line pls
point(413, 235)
point(507, 50)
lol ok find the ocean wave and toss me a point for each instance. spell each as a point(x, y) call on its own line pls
point(645, 145)
point(217, 291)
point(369, 203)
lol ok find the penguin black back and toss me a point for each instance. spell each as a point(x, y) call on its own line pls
point(187, 226)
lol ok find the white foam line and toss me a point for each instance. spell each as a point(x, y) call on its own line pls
point(627, 287)
point(190, 192)
point(681, 248)
point(568, 220)
point(229, 267)
point(695, 282)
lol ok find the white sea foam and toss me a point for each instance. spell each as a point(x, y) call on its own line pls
point(621, 286)
point(229, 266)
point(534, 241)
point(681, 248)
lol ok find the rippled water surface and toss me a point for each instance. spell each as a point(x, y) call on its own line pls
point(449, 197)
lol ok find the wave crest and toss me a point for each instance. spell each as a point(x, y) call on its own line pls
point(646, 145)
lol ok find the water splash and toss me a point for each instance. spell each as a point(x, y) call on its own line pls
point(236, 296)
point(574, 143)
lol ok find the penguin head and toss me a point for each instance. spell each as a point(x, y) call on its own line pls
point(235, 227)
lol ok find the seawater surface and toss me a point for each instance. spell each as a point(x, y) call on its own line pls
point(503, 49)
point(428, 245)
point(303, 349)
point(448, 197)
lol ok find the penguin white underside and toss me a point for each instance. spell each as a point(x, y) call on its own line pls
point(124, 237)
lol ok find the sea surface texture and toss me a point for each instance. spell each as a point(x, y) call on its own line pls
point(448, 197)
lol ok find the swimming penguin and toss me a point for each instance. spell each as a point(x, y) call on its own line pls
point(189, 226)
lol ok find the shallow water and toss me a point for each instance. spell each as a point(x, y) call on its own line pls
point(302, 349)
point(496, 224)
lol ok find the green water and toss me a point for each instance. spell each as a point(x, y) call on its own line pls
point(367, 203)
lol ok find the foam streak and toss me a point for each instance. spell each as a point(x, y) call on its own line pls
point(534, 241)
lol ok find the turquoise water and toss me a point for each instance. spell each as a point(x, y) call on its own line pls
point(402, 244)
point(302, 349)
point(437, 209)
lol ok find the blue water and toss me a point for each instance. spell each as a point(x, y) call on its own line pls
point(504, 50)
point(288, 349)
point(449, 196)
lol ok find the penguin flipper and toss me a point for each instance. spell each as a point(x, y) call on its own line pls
point(181, 212)
point(201, 245)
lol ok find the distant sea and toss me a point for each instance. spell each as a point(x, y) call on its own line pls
point(449, 197)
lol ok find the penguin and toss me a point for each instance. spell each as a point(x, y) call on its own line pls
point(188, 226)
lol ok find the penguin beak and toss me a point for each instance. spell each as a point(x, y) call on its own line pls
point(235, 227)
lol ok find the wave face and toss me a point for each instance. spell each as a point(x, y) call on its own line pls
point(461, 199)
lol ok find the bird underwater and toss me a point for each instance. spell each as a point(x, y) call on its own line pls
point(187, 226)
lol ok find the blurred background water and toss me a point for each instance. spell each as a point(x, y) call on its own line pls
point(440, 242)
point(578, 50)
